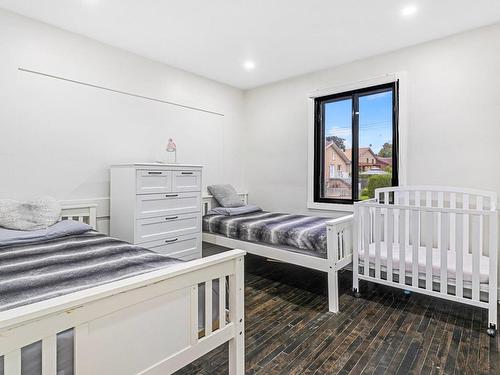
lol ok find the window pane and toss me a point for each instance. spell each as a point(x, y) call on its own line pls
point(375, 142)
point(337, 181)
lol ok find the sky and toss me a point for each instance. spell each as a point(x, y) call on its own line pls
point(375, 120)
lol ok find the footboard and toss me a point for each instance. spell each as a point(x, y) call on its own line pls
point(147, 324)
point(340, 240)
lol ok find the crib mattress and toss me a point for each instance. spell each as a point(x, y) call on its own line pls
point(436, 262)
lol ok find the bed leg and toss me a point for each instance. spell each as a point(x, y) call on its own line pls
point(237, 316)
point(333, 290)
point(237, 355)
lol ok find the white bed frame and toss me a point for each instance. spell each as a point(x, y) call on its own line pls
point(147, 324)
point(443, 218)
point(339, 249)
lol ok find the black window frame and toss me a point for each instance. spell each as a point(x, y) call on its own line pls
point(319, 139)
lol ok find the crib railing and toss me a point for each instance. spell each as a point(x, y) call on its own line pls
point(443, 239)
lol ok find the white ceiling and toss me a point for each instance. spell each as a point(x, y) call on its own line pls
point(285, 38)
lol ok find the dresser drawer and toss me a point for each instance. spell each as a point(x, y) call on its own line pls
point(180, 247)
point(154, 181)
point(153, 205)
point(186, 180)
point(165, 227)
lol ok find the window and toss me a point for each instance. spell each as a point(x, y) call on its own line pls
point(359, 125)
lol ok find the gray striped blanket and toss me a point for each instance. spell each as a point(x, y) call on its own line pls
point(305, 233)
point(41, 270)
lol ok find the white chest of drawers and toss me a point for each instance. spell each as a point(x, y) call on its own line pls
point(158, 206)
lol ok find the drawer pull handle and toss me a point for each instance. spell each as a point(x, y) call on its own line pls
point(169, 241)
point(154, 172)
point(171, 195)
point(171, 217)
point(186, 172)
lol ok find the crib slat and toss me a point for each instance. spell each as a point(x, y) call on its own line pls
point(396, 218)
point(465, 203)
point(415, 246)
point(12, 363)
point(453, 204)
point(378, 220)
point(366, 239)
point(208, 307)
point(428, 198)
point(479, 206)
point(475, 242)
point(440, 204)
point(222, 302)
point(443, 251)
point(402, 246)
point(417, 198)
point(429, 221)
point(194, 315)
point(407, 218)
point(49, 355)
point(459, 278)
point(389, 242)
point(385, 213)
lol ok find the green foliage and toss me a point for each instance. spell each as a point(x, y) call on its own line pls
point(385, 151)
point(375, 182)
point(337, 140)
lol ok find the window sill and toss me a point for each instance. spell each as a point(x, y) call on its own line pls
point(330, 206)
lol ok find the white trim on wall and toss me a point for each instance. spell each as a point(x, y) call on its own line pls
point(403, 124)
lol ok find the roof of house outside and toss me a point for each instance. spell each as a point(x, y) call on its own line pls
point(348, 151)
point(347, 155)
point(339, 151)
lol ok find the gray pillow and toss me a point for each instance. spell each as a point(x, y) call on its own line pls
point(226, 195)
point(232, 211)
point(60, 229)
point(36, 214)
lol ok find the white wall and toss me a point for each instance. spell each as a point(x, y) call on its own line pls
point(59, 138)
point(454, 119)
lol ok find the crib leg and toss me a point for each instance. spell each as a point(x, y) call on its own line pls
point(333, 290)
point(492, 319)
point(355, 285)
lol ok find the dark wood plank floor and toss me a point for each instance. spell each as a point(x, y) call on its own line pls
point(289, 330)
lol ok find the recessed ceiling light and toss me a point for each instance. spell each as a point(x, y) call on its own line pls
point(410, 10)
point(249, 65)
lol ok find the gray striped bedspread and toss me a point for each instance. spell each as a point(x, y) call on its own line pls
point(37, 271)
point(306, 234)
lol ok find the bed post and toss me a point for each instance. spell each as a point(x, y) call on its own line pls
point(333, 257)
point(236, 315)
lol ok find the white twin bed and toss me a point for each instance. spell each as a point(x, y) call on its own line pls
point(143, 324)
point(338, 248)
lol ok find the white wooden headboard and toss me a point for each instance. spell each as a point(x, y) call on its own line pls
point(85, 213)
point(209, 201)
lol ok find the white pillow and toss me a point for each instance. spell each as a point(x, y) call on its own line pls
point(39, 213)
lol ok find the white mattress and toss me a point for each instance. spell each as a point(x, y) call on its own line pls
point(436, 262)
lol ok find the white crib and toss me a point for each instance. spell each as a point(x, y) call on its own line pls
point(419, 229)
